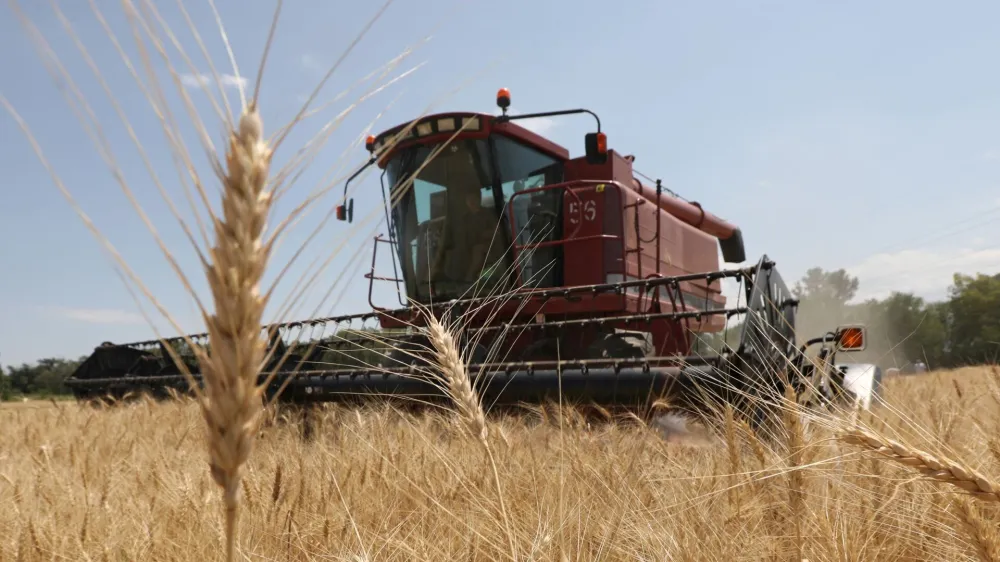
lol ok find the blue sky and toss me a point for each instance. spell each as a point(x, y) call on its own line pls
point(854, 134)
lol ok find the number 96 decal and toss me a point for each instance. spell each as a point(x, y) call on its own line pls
point(589, 211)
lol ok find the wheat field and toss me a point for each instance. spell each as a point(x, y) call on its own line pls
point(203, 479)
point(129, 482)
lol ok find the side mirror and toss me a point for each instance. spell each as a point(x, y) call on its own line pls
point(346, 212)
point(597, 148)
point(851, 338)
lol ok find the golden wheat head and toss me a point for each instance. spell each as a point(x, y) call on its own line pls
point(232, 400)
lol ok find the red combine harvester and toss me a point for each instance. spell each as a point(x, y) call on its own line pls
point(572, 277)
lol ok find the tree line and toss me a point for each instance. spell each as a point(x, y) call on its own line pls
point(44, 378)
point(903, 328)
point(963, 329)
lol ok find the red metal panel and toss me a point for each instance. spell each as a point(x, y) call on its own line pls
point(689, 213)
point(583, 218)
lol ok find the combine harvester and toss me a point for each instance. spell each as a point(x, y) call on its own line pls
point(611, 287)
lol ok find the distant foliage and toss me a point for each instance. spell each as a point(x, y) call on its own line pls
point(904, 328)
point(6, 389)
point(973, 317)
point(44, 378)
point(829, 288)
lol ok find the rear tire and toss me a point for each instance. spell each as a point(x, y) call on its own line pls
point(418, 351)
point(621, 345)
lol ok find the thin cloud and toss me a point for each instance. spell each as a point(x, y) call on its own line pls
point(204, 79)
point(924, 272)
point(311, 63)
point(101, 316)
point(537, 125)
point(991, 154)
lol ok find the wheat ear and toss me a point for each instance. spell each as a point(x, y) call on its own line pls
point(232, 401)
point(796, 479)
point(937, 468)
point(735, 467)
point(456, 377)
point(983, 535)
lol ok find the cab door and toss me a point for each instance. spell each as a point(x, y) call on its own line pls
point(534, 217)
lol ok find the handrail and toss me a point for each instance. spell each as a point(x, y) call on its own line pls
point(571, 187)
point(563, 186)
point(372, 277)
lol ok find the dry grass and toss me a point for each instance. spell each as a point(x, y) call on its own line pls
point(128, 483)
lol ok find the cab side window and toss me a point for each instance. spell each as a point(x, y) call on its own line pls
point(521, 167)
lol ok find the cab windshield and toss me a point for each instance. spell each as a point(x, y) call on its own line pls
point(448, 223)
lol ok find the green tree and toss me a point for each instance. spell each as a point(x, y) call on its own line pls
point(823, 301)
point(828, 287)
point(913, 330)
point(6, 389)
point(22, 379)
point(939, 357)
point(974, 319)
point(46, 377)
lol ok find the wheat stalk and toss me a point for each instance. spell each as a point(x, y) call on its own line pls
point(796, 480)
point(936, 468)
point(456, 376)
point(459, 388)
point(735, 467)
point(232, 400)
point(979, 530)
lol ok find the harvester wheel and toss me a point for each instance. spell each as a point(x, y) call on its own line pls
point(419, 352)
point(541, 350)
point(621, 345)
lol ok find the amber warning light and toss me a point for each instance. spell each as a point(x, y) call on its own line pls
point(852, 338)
point(503, 99)
point(596, 145)
point(346, 212)
point(602, 143)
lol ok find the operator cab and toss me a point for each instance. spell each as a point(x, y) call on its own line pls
point(451, 179)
